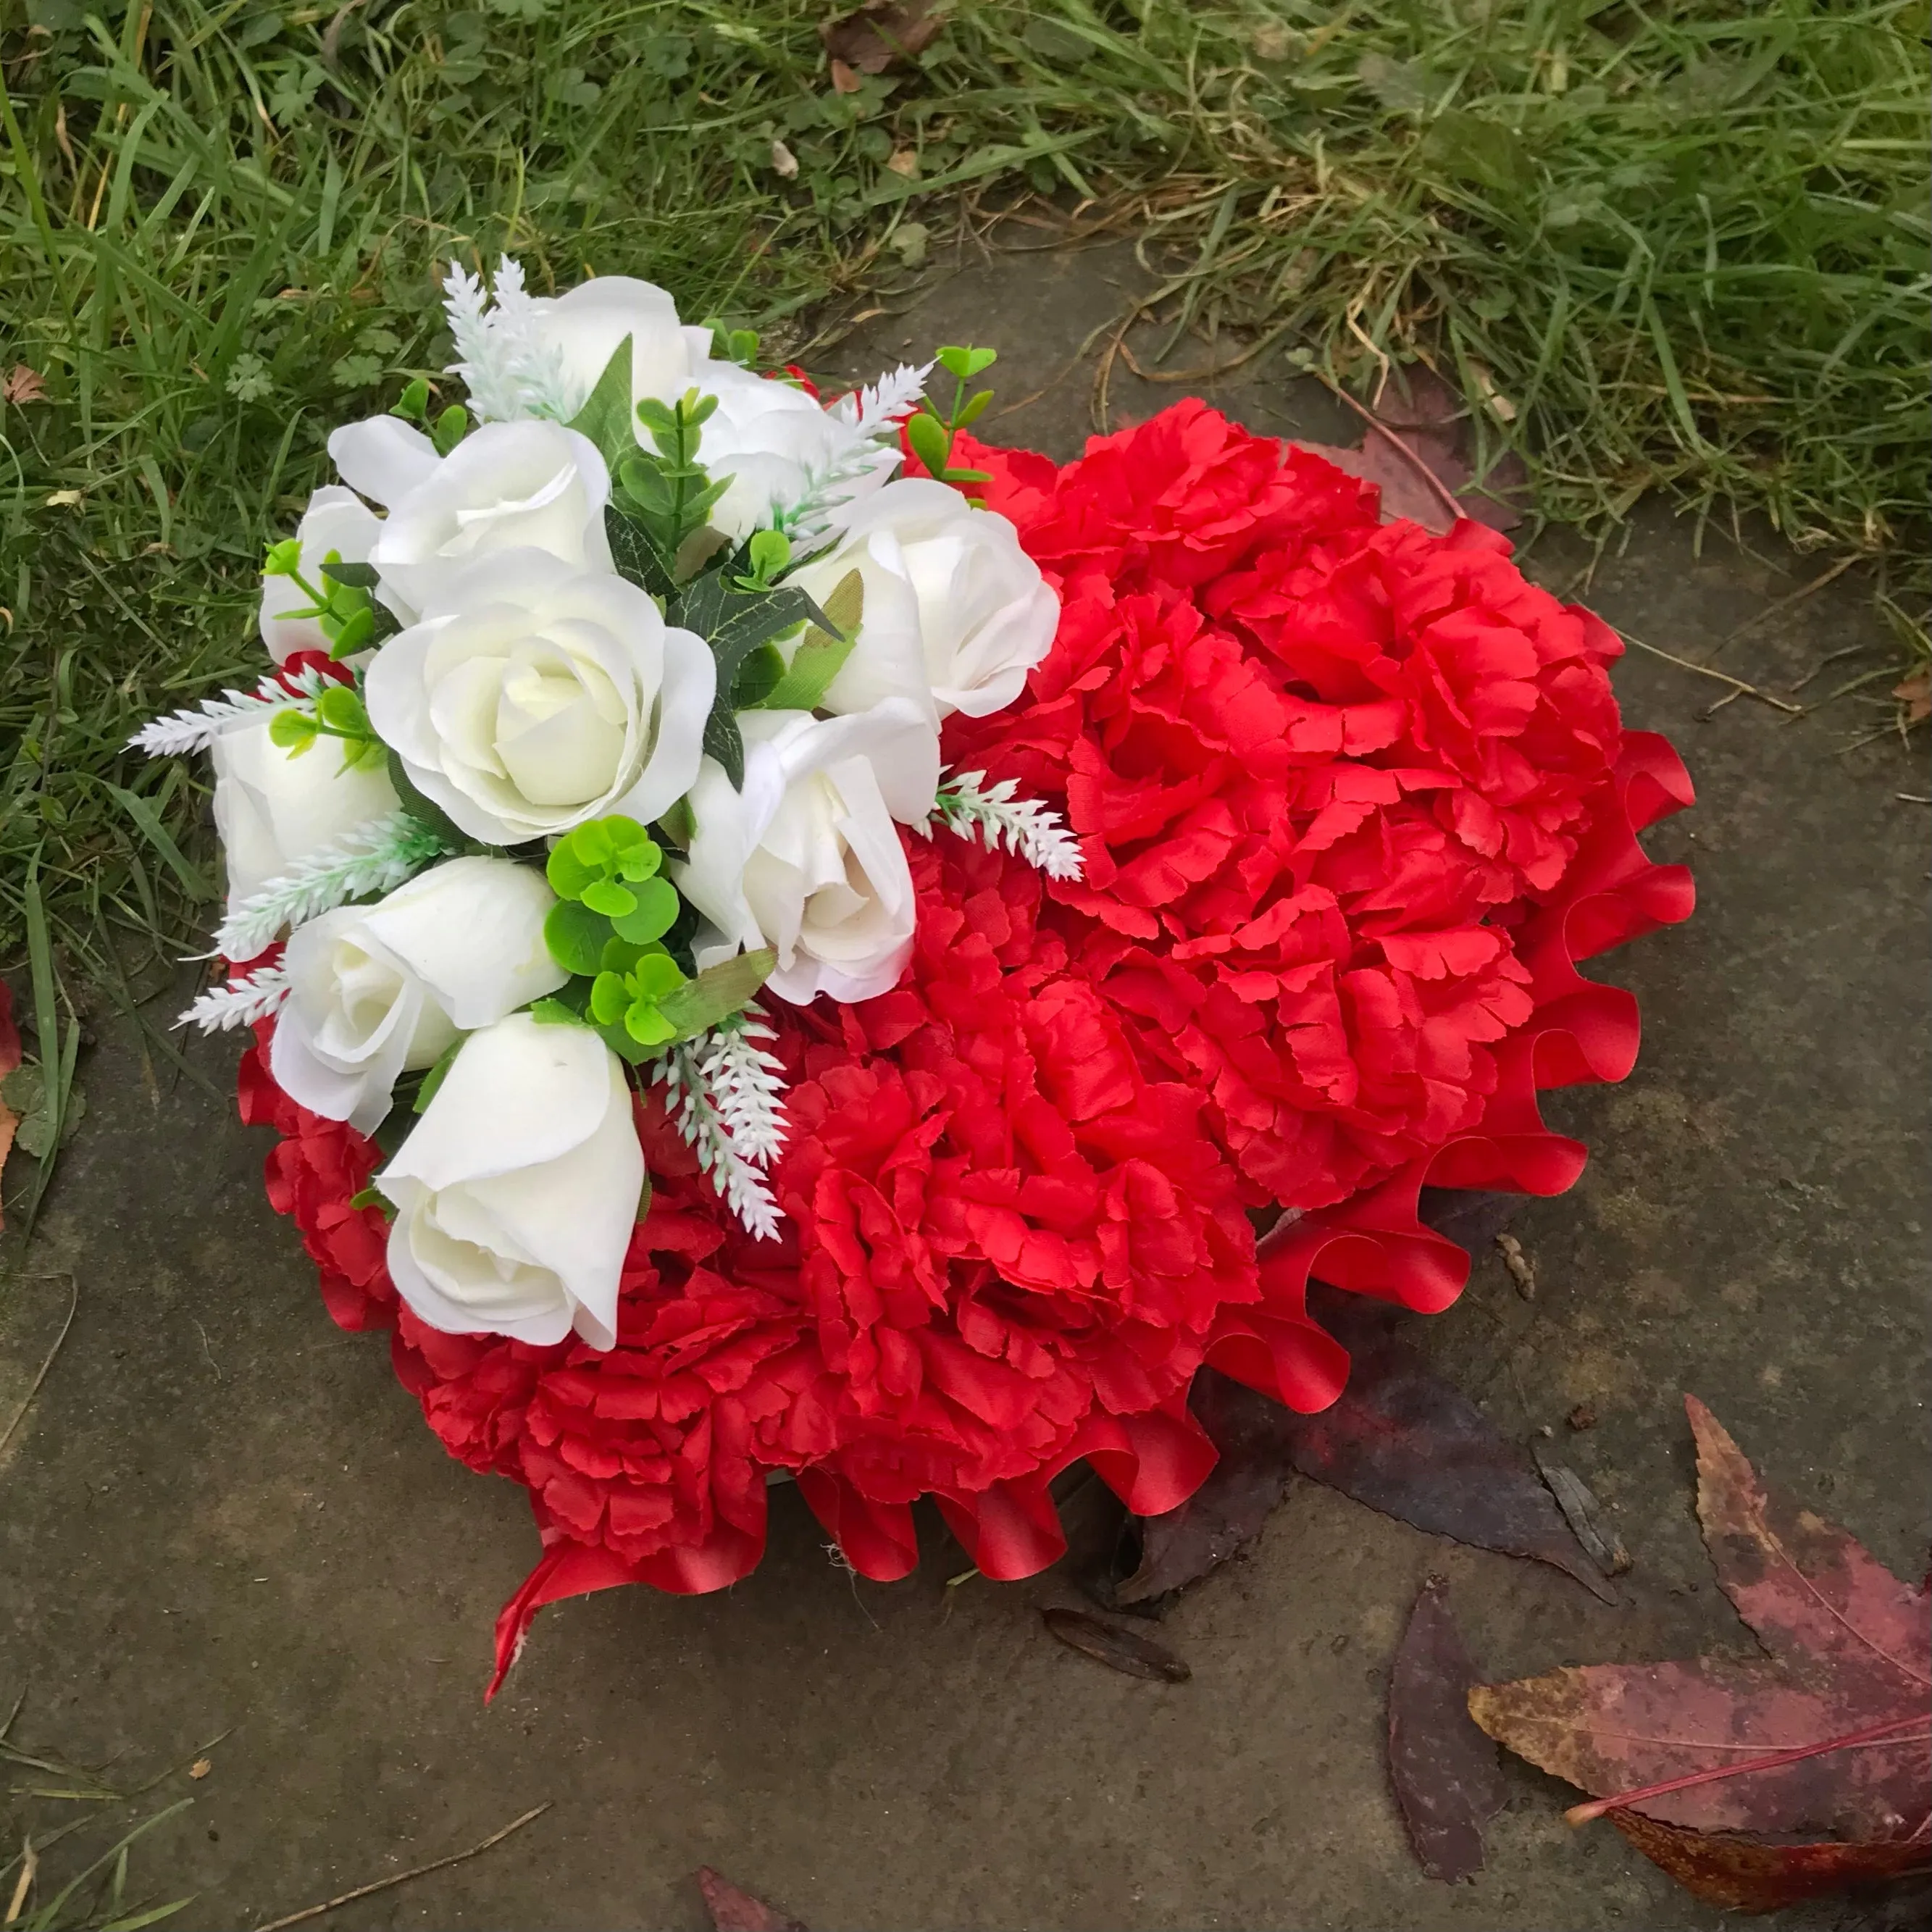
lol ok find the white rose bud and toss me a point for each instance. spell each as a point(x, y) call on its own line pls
point(807, 858)
point(335, 520)
point(531, 697)
point(953, 605)
point(377, 991)
point(272, 807)
point(516, 1193)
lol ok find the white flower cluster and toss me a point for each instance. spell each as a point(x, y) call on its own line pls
point(518, 683)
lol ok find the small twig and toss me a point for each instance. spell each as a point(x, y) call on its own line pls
point(30, 1863)
point(1785, 603)
point(1206, 372)
point(1912, 798)
point(1738, 685)
point(27, 1402)
point(403, 1878)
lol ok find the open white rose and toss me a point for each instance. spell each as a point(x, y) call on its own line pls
point(335, 520)
point(532, 696)
point(581, 329)
point(772, 440)
point(807, 858)
point(507, 486)
point(272, 807)
point(377, 991)
point(516, 1192)
point(953, 605)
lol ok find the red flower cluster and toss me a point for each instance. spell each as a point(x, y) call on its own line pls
point(1351, 800)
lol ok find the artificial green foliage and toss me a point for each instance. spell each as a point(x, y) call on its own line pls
point(631, 996)
point(348, 616)
point(339, 714)
point(931, 431)
point(821, 652)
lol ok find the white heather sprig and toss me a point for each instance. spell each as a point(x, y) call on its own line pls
point(240, 1002)
point(500, 356)
point(197, 728)
point(747, 1084)
point(966, 804)
point(869, 415)
point(694, 1106)
point(374, 858)
point(876, 410)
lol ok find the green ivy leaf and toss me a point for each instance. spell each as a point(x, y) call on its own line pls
point(605, 417)
point(717, 992)
point(821, 655)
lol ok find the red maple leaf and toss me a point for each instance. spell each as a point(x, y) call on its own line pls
point(1829, 1737)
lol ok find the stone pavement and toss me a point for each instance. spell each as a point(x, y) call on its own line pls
point(221, 1515)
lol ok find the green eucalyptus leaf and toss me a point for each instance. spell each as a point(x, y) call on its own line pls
point(647, 1026)
point(976, 407)
point(656, 907)
point(575, 936)
point(930, 442)
point(607, 896)
point(568, 874)
point(610, 996)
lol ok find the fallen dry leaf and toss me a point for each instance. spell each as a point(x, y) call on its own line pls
point(1850, 1658)
point(1744, 1874)
point(22, 385)
point(201, 1767)
point(1447, 1783)
point(1119, 1649)
point(1413, 452)
point(734, 1909)
point(1406, 1443)
point(1582, 1512)
point(784, 162)
point(844, 80)
point(1229, 1508)
point(874, 36)
point(1915, 694)
point(904, 162)
point(10, 1059)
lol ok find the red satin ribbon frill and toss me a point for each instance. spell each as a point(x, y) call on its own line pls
point(1355, 801)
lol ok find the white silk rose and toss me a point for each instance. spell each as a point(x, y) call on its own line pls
point(507, 486)
point(532, 696)
point(806, 859)
point(773, 442)
point(377, 991)
point(335, 520)
point(516, 1193)
point(272, 807)
point(578, 333)
point(955, 610)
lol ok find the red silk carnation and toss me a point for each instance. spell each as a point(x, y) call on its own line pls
point(1352, 800)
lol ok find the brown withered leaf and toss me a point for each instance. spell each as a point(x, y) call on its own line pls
point(881, 33)
point(1915, 694)
point(22, 385)
point(734, 1909)
point(1119, 1649)
point(1747, 1874)
point(1582, 1512)
point(1447, 1783)
point(1229, 1508)
point(1403, 1440)
point(1829, 1736)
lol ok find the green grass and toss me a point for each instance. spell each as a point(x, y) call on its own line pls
point(1685, 240)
